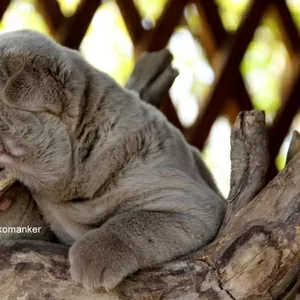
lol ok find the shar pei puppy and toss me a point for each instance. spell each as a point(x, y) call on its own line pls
point(108, 173)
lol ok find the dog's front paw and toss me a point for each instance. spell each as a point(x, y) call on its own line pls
point(101, 260)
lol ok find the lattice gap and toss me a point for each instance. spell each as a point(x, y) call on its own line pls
point(23, 14)
point(281, 157)
point(217, 160)
point(68, 7)
point(189, 91)
point(294, 9)
point(232, 12)
point(196, 76)
point(262, 66)
point(151, 15)
point(107, 36)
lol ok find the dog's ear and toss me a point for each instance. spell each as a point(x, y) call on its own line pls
point(35, 89)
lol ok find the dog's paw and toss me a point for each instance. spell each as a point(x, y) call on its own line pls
point(101, 260)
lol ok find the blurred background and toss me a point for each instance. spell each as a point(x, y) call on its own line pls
point(232, 55)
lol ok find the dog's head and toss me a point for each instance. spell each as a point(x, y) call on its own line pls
point(54, 107)
point(37, 75)
point(40, 102)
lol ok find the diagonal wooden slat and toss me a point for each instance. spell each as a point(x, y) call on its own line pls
point(51, 12)
point(132, 19)
point(73, 30)
point(218, 36)
point(289, 30)
point(158, 38)
point(3, 6)
point(225, 80)
point(284, 117)
point(290, 103)
point(212, 24)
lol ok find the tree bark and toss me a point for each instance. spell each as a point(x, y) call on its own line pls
point(153, 76)
point(256, 254)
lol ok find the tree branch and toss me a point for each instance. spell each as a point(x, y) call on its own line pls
point(255, 256)
point(249, 161)
point(153, 76)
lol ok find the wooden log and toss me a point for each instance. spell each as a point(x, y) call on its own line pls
point(255, 256)
point(152, 78)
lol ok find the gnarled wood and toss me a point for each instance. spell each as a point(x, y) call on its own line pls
point(249, 159)
point(153, 76)
point(256, 256)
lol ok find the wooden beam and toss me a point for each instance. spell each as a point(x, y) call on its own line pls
point(218, 36)
point(51, 12)
point(229, 73)
point(3, 6)
point(158, 38)
point(287, 26)
point(212, 26)
point(72, 31)
point(289, 106)
point(132, 19)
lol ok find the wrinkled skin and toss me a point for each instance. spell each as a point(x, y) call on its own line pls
point(110, 175)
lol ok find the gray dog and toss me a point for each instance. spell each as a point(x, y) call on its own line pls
point(110, 175)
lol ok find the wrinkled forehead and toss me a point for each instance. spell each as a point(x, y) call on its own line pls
point(19, 48)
